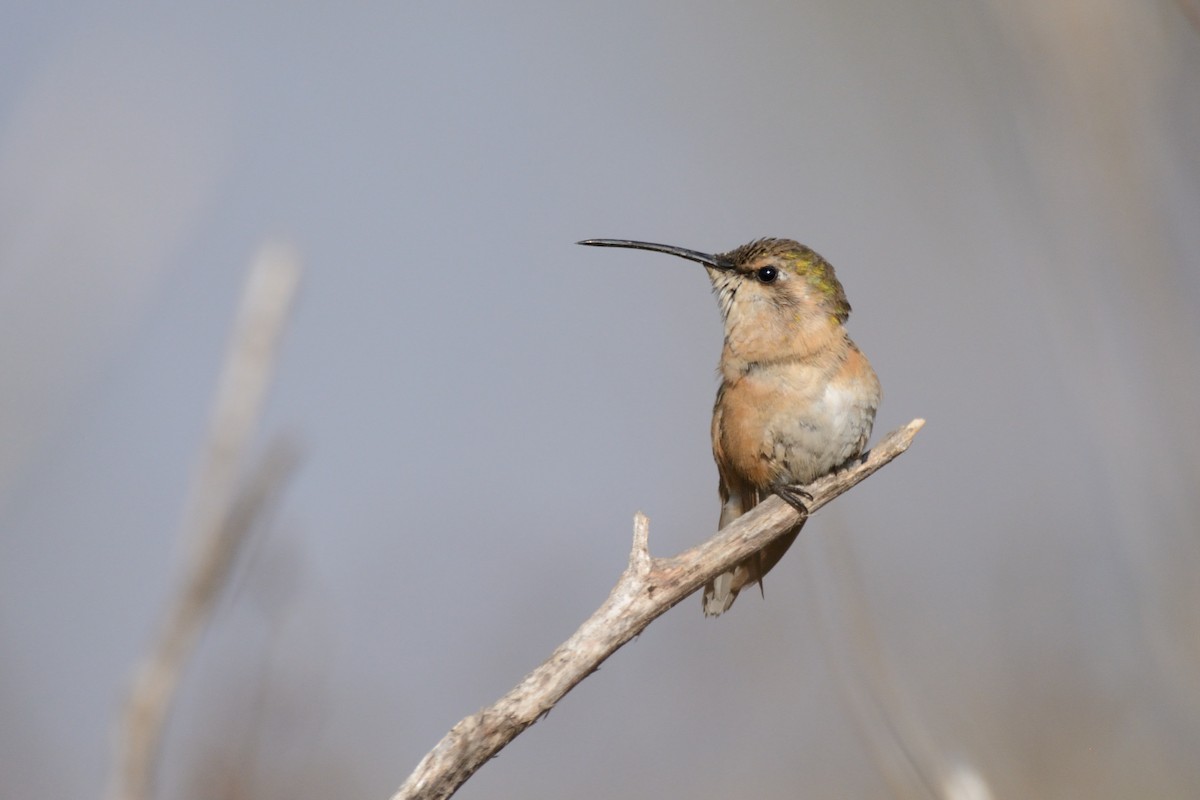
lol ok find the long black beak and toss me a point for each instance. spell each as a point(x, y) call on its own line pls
point(707, 260)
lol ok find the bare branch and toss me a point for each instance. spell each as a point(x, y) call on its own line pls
point(220, 519)
point(647, 588)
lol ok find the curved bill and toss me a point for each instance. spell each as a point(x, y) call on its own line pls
point(707, 260)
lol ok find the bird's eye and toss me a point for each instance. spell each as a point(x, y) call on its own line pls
point(766, 274)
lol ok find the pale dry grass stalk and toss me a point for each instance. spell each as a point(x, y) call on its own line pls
point(223, 512)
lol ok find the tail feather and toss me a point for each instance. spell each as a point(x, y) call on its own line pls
point(721, 591)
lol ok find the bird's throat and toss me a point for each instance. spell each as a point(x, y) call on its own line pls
point(821, 343)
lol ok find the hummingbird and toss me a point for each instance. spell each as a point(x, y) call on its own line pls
point(797, 397)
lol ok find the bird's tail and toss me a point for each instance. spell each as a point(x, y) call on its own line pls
point(720, 592)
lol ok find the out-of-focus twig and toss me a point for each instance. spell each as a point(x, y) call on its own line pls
point(1191, 10)
point(647, 588)
point(220, 517)
point(906, 755)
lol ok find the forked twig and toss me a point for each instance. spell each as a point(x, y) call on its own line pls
point(646, 589)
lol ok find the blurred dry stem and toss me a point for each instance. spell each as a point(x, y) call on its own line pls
point(222, 514)
point(646, 590)
point(1191, 9)
point(905, 755)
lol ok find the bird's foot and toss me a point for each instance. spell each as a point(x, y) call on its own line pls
point(795, 496)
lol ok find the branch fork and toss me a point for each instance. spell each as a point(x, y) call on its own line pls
point(646, 589)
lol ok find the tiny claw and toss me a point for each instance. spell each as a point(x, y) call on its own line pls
point(794, 496)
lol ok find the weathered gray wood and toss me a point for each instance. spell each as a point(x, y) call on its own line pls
point(648, 587)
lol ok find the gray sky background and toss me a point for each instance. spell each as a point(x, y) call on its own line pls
point(1009, 191)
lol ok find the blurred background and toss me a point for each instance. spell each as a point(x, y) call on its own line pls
point(1010, 192)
